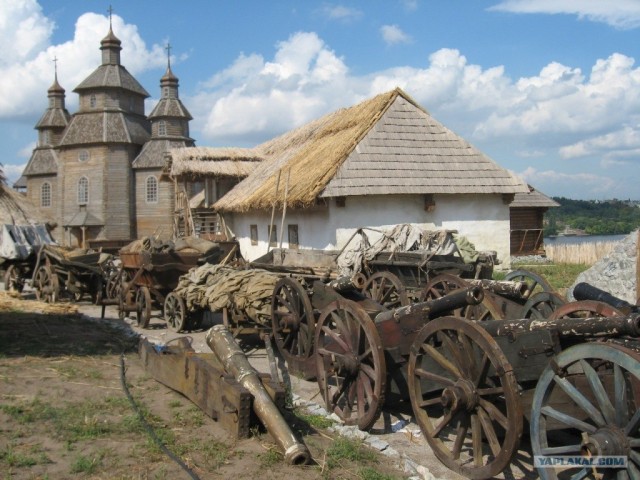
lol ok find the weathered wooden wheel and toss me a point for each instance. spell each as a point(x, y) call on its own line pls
point(175, 313)
point(446, 283)
point(541, 305)
point(463, 391)
point(125, 293)
point(292, 319)
point(46, 285)
point(585, 309)
point(143, 306)
point(350, 363)
point(386, 289)
point(591, 392)
point(13, 281)
point(535, 282)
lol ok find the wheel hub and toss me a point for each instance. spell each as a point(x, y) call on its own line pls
point(461, 395)
point(605, 441)
point(348, 365)
point(288, 321)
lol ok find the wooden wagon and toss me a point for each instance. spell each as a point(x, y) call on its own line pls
point(147, 278)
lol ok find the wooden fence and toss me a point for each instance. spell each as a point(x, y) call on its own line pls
point(586, 253)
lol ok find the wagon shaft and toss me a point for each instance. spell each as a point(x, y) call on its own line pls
point(568, 327)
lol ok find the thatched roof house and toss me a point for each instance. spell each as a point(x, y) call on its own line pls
point(385, 145)
point(210, 161)
point(379, 163)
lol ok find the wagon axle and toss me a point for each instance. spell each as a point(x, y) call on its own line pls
point(462, 395)
point(606, 441)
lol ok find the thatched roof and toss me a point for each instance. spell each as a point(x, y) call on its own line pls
point(154, 151)
point(532, 198)
point(221, 162)
point(16, 209)
point(385, 145)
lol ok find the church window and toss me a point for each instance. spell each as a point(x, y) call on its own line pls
point(162, 128)
point(83, 155)
point(151, 192)
point(92, 101)
point(45, 195)
point(83, 191)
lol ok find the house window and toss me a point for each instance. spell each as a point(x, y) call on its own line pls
point(47, 137)
point(293, 236)
point(253, 233)
point(83, 191)
point(151, 189)
point(92, 101)
point(162, 128)
point(273, 240)
point(132, 104)
point(45, 195)
point(83, 155)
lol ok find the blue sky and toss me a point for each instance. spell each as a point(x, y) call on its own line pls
point(549, 89)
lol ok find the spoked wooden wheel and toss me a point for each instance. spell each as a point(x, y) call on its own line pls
point(143, 306)
point(386, 289)
point(292, 320)
point(585, 309)
point(350, 363)
point(175, 313)
point(592, 393)
point(541, 305)
point(13, 281)
point(463, 392)
point(46, 285)
point(445, 283)
point(535, 282)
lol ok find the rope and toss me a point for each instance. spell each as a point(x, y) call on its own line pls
point(148, 428)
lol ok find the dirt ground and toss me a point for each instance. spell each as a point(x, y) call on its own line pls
point(64, 412)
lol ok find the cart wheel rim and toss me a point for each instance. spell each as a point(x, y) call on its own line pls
point(386, 289)
point(143, 307)
point(292, 319)
point(600, 385)
point(463, 389)
point(175, 313)
point(351, 370)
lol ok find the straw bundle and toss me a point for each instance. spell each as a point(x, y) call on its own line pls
point(221, 162)
point(9, 303)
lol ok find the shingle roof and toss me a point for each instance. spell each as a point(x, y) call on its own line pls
point(101, 127)
point(385, 145)
point(43, 161)
point(153, 152)
point(532, 198)
point(112, 75)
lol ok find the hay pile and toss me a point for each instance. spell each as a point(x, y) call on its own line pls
point(14, 303)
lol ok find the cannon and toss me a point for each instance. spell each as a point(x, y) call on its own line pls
point(585, 291)
point(361, 347)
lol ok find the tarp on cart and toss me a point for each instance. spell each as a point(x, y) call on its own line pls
point(17, 242)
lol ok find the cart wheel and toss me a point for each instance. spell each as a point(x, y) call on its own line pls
point(13, 282)
point(175, 313)
point(386, 289)
point(585, 309)
point(143, 306)
point(77, 296)
point(350, 363)
point(292, 319)
point(445, 283)
point(463, 391)
point(114, 285)
point(47, 285)
point(541, 305)
point(592, 392)
point(535, 282)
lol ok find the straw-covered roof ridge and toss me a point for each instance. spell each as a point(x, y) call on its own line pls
point(308, 157)
point(219, 161)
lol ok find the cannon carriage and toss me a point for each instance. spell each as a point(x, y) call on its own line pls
point(574, 376)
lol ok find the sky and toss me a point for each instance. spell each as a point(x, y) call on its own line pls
point(549, 89)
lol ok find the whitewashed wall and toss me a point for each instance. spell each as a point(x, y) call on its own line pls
point(483, 219)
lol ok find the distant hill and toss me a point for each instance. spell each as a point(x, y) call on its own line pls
point(594, 217)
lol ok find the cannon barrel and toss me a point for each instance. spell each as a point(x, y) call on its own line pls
point(344, 284)
point(516, 290)
point(568, 327)
point(585, 291)
point(457, 299)
point(221, 341)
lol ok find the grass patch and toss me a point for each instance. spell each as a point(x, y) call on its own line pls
point(13, 456)
point(316, 421)
point(559, 275)
point(351, 450)
point(270, 458)
point(87, 464)
point(370, 473)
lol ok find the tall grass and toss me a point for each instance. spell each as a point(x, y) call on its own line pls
point(586, 253)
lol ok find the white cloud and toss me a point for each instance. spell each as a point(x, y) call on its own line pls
point(624, 142)
point(410, 5)
point(622, 14)
point(340, 12)
point(27, 68)
point(393, 35)
point(596, 185)
point(13, 172)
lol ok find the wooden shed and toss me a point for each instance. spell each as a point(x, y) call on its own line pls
point(527, 221)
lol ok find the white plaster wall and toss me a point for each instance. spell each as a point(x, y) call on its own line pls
point(483, 219)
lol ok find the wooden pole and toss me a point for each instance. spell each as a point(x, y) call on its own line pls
point(273, 210)
point(284, 206)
